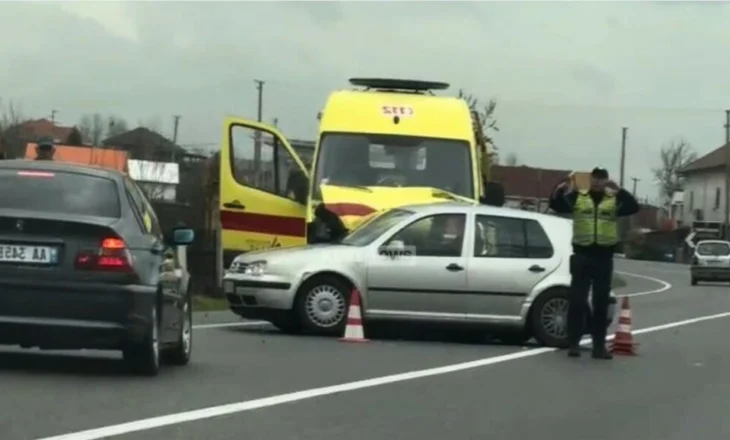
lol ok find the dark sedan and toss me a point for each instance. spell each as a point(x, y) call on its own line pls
point(84, 264)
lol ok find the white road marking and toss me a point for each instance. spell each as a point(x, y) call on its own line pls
point(238, 407)
point(230, 324)
point(232, 408)
point(664, 285)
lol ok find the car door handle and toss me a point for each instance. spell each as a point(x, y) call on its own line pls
point(453, 267)
point(234, 205)
point(536, 268)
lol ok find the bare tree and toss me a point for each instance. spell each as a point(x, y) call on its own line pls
point(511, 160)
point(11, 116)
point(115, 126)
point(92, 128)
point(75, 137)
point(674, 157)
point(485, 117)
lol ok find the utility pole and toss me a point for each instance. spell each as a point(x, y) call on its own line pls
point(623, 155)
point(257, 143)
point(635, 180)
point(727, 172)
point(53, 116)
point(176, 124)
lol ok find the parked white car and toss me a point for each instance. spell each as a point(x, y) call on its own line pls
point(710, 261)
point(500, 270)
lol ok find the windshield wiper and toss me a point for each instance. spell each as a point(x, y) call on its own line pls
point(444, 195)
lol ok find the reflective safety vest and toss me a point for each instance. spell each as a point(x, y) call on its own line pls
point(594, 224)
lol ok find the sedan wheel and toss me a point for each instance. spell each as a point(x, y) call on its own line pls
point(322, 305)
point(550, 318)
point(144, 357)
point(180, 353)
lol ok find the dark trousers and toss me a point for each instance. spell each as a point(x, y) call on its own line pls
point(589, 271)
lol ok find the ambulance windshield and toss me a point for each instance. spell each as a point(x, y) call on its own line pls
point(354, 159)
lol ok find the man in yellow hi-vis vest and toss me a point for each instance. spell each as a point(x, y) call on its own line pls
point(595, 236)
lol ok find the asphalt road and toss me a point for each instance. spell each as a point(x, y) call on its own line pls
point(676, 388)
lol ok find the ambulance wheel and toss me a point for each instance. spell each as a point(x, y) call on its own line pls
point(321, 304)
point(549, 318)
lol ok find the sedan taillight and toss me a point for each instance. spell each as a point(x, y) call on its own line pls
point(112, 255)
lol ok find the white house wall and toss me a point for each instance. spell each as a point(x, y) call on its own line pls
point(699, 193)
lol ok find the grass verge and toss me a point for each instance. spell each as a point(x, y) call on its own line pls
point(202, 303)
point(618, 282)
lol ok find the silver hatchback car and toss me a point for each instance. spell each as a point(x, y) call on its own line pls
point(501, 270)
point(710, 261)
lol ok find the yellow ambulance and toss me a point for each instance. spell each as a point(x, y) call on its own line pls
point(381, 144)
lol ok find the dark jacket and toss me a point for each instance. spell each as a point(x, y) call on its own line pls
point(563, 203)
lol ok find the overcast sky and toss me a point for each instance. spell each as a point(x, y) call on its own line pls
point(567, 76)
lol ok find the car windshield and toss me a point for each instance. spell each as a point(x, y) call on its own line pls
point(375, 227)
point(352, 159)
point(59, 192)
point(713, 249)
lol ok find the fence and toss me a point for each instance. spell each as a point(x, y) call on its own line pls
point(193, 208)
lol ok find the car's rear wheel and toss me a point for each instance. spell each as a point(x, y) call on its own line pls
point(693, 281)
point(322, 303)
point(180, 353)
point(143, 357)
point(549, 318)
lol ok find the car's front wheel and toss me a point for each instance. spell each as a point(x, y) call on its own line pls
point(180, 353)
point(322, 303)
point(143, 357)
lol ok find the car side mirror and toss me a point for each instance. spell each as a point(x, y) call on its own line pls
point(182, 236)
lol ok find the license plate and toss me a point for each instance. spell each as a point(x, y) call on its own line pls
point(12, 253)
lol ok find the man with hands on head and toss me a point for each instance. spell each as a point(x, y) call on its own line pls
point(595, 235)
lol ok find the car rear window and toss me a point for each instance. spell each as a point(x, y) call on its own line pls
point(61, 192)
point(713, 249)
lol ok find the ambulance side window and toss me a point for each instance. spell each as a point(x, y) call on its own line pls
point(260, 161)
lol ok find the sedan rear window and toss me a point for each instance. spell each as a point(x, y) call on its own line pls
point(713, 249)
point(62, 192)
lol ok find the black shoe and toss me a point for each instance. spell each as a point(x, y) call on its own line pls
point(574, 351)
point(601, 353)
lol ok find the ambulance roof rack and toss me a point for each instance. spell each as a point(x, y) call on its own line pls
point(399, 85)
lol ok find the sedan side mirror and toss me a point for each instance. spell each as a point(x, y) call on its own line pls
point(182, 236)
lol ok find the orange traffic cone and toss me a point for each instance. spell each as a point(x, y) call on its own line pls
point(354, 331)
point(623, 342)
